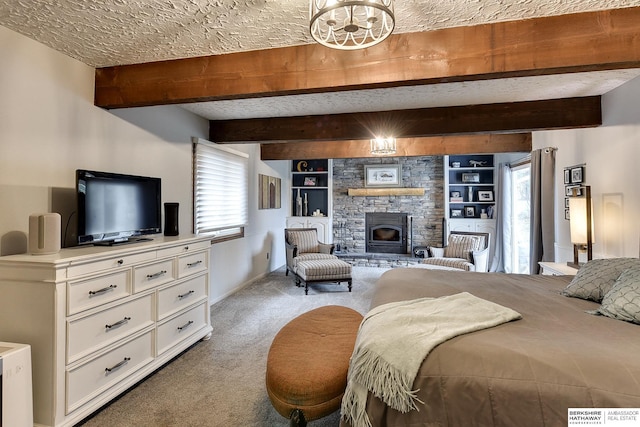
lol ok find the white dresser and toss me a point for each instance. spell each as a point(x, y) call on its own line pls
point(100, 319)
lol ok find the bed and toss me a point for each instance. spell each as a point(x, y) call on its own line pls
point(525, 373)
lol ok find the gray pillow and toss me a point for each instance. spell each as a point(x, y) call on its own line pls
point(596, 277)
point(461, 246)
point(622, 302)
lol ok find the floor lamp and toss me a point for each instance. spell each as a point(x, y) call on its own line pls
point(581, 223)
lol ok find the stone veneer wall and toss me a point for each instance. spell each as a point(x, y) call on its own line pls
point(417, 172)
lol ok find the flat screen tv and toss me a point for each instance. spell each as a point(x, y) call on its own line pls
point(115, 208)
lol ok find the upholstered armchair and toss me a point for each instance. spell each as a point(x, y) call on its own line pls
point(302, 244)
point(464, 251)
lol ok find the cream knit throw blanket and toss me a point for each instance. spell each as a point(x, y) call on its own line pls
point(395, 338)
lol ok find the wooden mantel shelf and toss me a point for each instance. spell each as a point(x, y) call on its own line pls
point(386, 192)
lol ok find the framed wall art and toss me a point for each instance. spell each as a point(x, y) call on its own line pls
point(572, 191)
point(577, 175)
point(471, 177)
point(383, 175)
point(269, 195)
point(485, 196)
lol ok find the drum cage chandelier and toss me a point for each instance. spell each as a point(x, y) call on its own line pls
point(383, 146)
point(351, 24)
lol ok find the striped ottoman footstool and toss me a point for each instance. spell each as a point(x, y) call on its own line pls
point(322, 270)
point(308, 362)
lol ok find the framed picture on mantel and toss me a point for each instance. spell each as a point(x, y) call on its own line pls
point(383, 175)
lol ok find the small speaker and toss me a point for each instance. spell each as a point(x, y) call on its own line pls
point(44, 233)
point(171, 219)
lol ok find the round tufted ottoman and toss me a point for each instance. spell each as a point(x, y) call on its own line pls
point(308, 362)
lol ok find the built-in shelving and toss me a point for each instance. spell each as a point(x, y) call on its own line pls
point(311, 196)
point(310, 180)
point(471, 177)
point(470, 186)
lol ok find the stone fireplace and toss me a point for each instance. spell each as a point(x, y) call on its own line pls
point(386, 232)
point(425, 212)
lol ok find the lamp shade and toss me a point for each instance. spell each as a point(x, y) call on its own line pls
point(578, 220)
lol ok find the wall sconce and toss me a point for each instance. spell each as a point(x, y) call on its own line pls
point(382, 146)
point(581, 214)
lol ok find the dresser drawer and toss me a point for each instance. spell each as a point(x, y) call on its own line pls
point(174, 298)
point(184, 249)
point(181, 327)
point(87, 381)
point(90, 333)
point(152, 275)
point(191, 264)
point(82, 269)
point(85, 294)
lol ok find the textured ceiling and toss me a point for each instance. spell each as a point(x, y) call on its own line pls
point(103, 33)
point(115, 32)
point(440, 95)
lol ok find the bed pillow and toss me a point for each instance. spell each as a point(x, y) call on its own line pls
point(622, 302)
point(596, 277)
point(461, 246)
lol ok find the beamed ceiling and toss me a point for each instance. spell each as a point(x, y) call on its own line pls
point(454, 78)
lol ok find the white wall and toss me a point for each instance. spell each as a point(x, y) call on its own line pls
point(243, 260)
point(49, 127)
point(612, 157)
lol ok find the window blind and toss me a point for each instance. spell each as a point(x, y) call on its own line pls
point(220, 189)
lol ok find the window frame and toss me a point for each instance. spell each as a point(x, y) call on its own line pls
point(234, 183)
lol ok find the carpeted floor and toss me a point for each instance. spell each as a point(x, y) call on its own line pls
point(220, 382)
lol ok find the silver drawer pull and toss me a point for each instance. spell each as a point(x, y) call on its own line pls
point(155, 275)
point(117, 365)
point(118, 323)
point(186, 248)
point(193, 264)
point(185, 326)
point(186, 295)
point(103, 290)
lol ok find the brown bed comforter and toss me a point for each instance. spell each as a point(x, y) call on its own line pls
point(523, 373)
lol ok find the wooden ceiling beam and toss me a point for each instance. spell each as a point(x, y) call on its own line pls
point(431, 146)
point(513, 117)
point(591, 41)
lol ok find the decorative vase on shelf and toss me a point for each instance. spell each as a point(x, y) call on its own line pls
point(470, 194)
point(298, 204)
point(305, 209)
